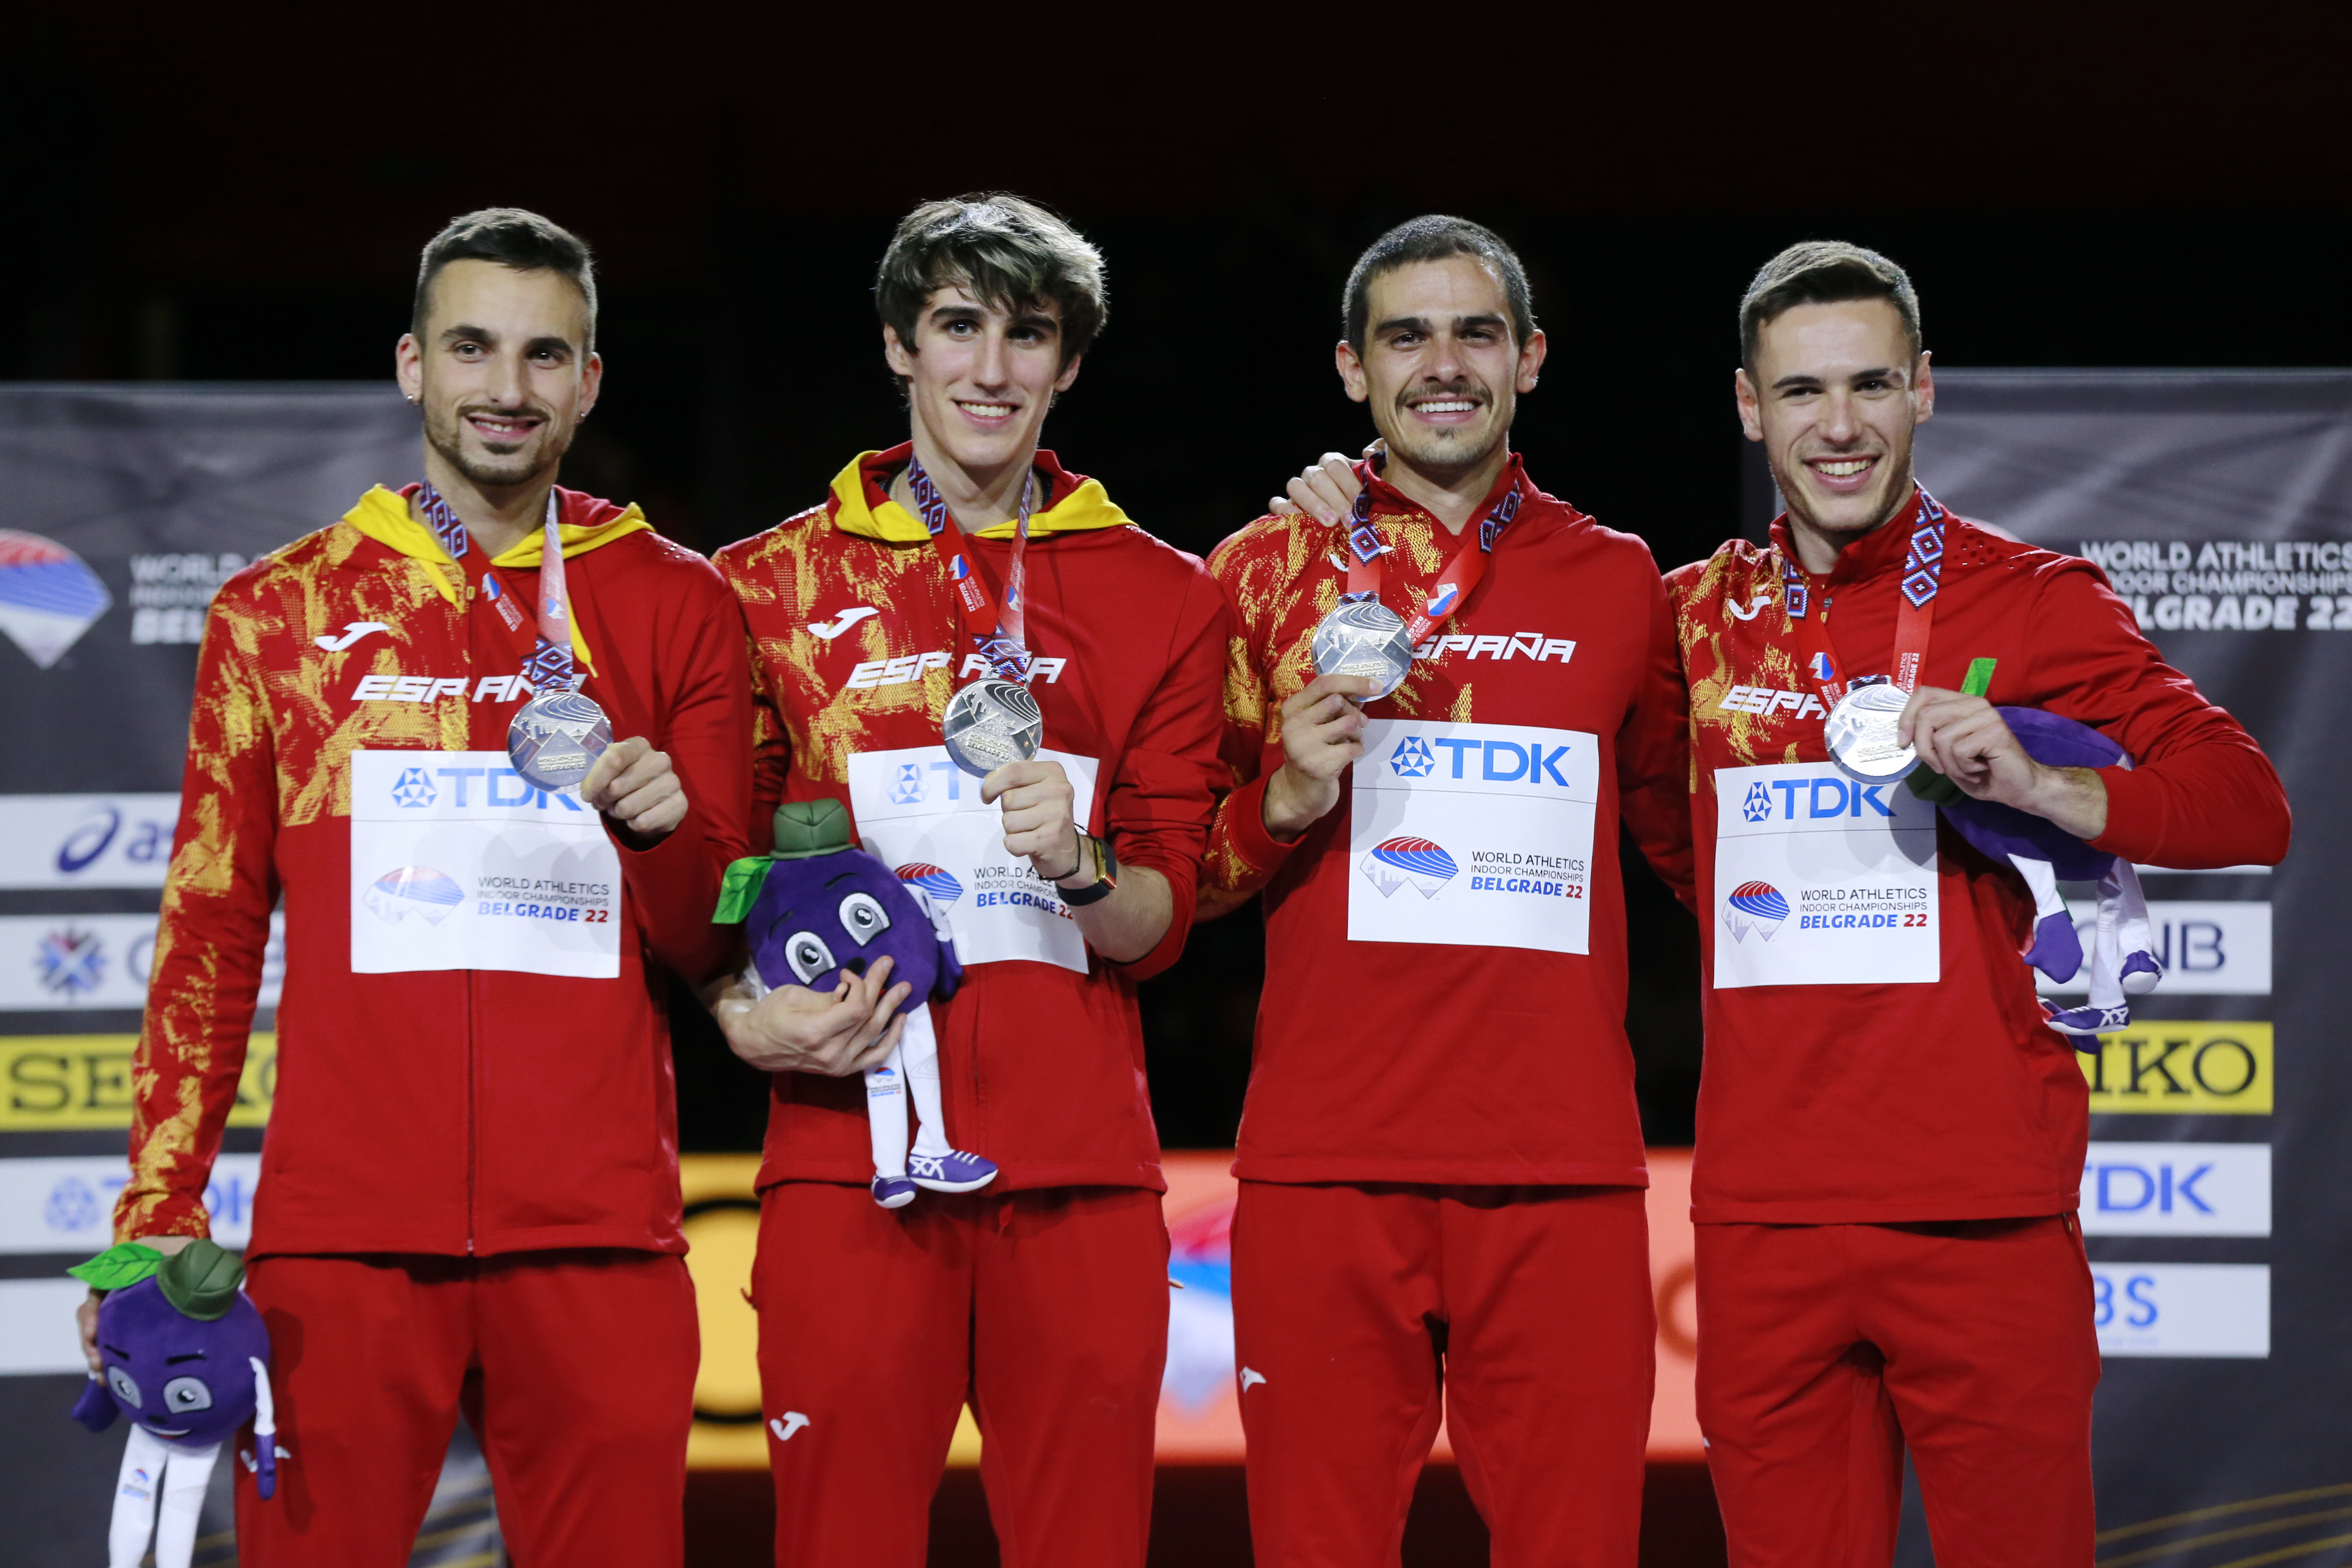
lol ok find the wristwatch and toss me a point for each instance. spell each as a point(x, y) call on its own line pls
point(1105, 866)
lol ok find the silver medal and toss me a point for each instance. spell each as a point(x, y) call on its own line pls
point(556, 738)
point(1364, 637)
point(990, 723)
point(1861, 734)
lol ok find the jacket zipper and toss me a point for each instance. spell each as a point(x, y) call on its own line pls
point(473, 977)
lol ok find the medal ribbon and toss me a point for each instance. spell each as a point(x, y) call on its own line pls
point(999, 633)
point(1923, 571)
point(546, 652)
point(1465, 569)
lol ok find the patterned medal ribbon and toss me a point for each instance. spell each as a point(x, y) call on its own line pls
point(1923, 572)
point(546, 654)
point(999, 633)
point(1465, 570)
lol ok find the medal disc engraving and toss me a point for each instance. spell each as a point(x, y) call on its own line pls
point(556, 737)
point(990, 723)
point(1364, 637)
point(1861, 734)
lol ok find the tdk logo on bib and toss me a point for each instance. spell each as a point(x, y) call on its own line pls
point(1411, 758)
point(1532, 757)
point(910, 787)
point(413, 788)
point(1815, 798)
point(1490, 825)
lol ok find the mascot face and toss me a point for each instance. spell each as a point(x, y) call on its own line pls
point(821, 918)
point(183, 1379)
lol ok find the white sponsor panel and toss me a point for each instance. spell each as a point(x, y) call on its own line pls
point(459, 863)
point(37, 1333)
point(1822, 880)
point(2208, 949)
point(86, 840)
point(2177, 1189)
point(2182, 1309)
point(922, 816)
point(95, 962)
point(1474, 836)
point(66, 1204)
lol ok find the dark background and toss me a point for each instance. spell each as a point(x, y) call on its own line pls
point(205, 196)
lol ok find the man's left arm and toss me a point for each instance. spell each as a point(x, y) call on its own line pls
point(672, 860)
point(2200, 794)
point(1654, 756)
point(1157, 802)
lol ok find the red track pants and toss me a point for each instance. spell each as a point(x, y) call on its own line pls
point(1824, 1349)
point(1047, 1309)
point(576, 1370)
point(1528, 1309)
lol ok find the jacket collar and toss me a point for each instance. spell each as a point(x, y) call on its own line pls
point(861, 503)
point(1882, 549)
point(1387, 499)
point(582, 522)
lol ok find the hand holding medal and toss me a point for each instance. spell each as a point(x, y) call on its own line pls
point(1364, 636)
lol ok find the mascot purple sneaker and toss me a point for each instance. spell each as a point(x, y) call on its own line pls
point(187, 1359)
point(820, 908)
point(2123, 956)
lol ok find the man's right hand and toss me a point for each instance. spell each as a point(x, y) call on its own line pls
point(1322, 736)
point(1326, 490)
point(793, 1029)
point(86, 1315)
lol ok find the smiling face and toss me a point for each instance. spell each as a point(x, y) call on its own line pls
point(1835, 398)
point(818, 919)
point(183, 1379)
point(979, 377)
point(502, 370)
point(1439, 367)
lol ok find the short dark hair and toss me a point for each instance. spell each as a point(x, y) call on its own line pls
point(511, 238)
point(1006, 251)
point(1434, 238)
point(1823, 272)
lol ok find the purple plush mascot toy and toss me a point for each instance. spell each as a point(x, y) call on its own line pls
point(821, 909)
point(2121, 957)
point(187, 1359)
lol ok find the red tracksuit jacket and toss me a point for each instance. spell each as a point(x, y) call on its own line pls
point(1386, 1061)
point(1042, 1067)
point(430, 1112)
point(1953, 1100)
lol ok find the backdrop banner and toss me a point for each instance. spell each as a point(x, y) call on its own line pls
point(121, 510)
point(2217, 1199)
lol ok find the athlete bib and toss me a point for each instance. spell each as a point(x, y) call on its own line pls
point(1473, 836)
point(922, 816)
point(458, 863)
point(1821, 879)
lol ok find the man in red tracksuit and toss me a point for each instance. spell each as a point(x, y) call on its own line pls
point(1441, 1155)
point(469, 1193)
point(1890, 1139)
point(1041, 1299)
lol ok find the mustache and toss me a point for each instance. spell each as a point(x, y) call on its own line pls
point(538, 411)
